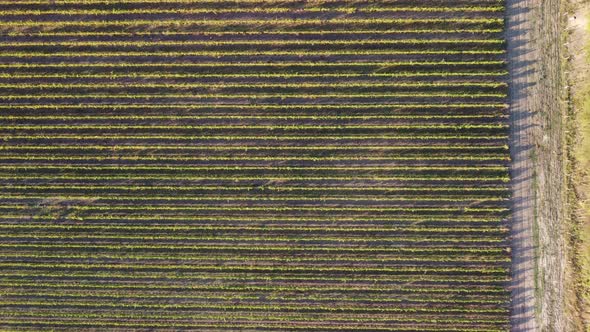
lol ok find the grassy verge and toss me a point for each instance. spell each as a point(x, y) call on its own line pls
point(580, 195)
point(578, 154)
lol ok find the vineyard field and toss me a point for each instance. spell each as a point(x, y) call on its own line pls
point(254, 165)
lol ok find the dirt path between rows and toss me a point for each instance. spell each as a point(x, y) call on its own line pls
point(521, 58)
point(537, 143)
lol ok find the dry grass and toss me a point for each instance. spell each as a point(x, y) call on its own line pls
point(578, 47)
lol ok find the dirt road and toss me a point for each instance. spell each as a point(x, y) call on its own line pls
point(538, 107)
point(521, 60)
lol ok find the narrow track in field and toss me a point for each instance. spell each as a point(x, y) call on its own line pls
point(520, 57)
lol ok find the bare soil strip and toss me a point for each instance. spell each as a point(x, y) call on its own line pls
point(523, 252)
point(539, 186)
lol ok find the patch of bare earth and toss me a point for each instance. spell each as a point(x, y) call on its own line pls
point(550, 190)
point(539, 112)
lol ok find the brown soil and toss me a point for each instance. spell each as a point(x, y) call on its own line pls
point(538, 112)
point(523, 284)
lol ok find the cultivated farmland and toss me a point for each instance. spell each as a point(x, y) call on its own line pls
point(253, 165)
